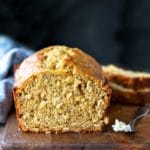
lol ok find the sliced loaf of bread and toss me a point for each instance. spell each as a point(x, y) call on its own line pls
point(128, 86)
point(61, 89)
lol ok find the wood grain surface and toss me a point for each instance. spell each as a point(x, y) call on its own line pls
point(108, 139)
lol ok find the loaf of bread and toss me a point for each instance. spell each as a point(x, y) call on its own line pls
point(61, 89)
point(128, 86)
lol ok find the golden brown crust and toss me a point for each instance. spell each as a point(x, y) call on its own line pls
point(135, 83)
point(127, 88)
point(76, 62)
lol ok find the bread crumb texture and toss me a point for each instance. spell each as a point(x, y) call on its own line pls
point(61, 89)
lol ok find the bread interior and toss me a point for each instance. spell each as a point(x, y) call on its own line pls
point(61, 102)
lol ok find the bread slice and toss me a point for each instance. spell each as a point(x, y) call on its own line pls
point(61, 89)
point(128, 86)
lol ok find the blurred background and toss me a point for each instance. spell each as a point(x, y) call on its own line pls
point(113, 31)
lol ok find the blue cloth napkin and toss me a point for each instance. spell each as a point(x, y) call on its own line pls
point(11, 53)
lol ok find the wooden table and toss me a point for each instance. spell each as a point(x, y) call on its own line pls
point(14, 139)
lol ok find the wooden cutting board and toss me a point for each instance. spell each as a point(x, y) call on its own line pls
point(15, 139)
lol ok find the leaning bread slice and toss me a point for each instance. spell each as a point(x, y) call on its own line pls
point(61, 89)
point(128, 79)
point(130, 96)
point(128, 86)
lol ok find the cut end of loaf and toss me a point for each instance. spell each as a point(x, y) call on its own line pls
point(61, 89)
point(61, 102)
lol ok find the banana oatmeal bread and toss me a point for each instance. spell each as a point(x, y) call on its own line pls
point(128, 86)
point(61, 89)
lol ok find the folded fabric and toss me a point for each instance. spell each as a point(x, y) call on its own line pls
point(11, 53)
